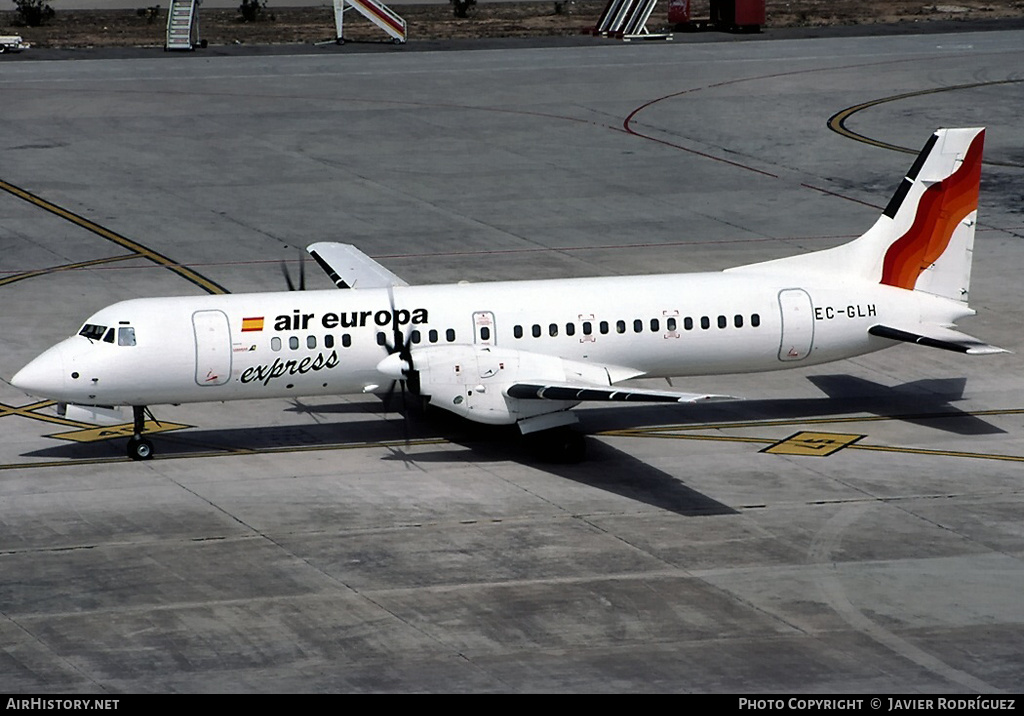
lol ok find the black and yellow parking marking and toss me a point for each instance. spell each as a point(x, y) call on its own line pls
point(817, 443)
point(232, 452)
point(94, 434)
point(813, 444)
point(29, 411)
point(133, 246)
point(837, 122)
point(801, 443)
point(65, 267)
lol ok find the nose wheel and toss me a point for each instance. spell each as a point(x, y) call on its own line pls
point(139, 448)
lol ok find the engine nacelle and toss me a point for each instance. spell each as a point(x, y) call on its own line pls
point(471, 381)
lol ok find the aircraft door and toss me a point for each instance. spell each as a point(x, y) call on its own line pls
point(797, 324)
point(213, 347)
point(483, 328)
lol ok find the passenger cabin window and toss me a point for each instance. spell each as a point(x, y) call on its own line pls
point(553, 330)
point(485, 333)
point(517, 331)
point(449, 335)
point(638, 326)
point(275, 344)
point(310, 342)
point(535, 330)
point(126, 336)
point(755, 320)
point(293, 343)
point(92, 331)
point(570, 329)
point(670, 324)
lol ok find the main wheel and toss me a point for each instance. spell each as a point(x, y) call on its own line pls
point(140, 448)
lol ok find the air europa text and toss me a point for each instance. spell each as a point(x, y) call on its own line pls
point(299, 321)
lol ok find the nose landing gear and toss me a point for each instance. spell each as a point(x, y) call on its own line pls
point(139, 448)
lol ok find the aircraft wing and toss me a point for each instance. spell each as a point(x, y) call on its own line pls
point(568, 392)
point(348, 267)
point(936, 337)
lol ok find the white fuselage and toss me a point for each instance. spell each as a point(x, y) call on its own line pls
point(234, 347)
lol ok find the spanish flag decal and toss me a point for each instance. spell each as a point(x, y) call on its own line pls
point(252, 324)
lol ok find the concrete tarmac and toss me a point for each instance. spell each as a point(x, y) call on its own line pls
point(853, 528)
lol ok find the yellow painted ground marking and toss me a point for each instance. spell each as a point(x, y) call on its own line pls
point(123, 241)
point(690, 432)
point(28, 411)
point(125, 430)
point(837, 122)
point(816, 444)
point(399, 444)
point(66, 267)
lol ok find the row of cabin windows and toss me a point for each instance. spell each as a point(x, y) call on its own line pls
point(671, 325)
point(329, 341)
point(294, 342)
point(416, 336)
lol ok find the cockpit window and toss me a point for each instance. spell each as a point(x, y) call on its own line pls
point(109, 338)
point(126, 336)
point(92, 331)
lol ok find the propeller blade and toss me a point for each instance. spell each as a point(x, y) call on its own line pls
point(402, 347)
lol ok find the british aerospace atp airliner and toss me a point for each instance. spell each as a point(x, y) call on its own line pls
point(527, 352)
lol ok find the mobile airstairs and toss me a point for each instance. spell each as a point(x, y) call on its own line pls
point(376, 12)
point(627, 20)
point(183, 26)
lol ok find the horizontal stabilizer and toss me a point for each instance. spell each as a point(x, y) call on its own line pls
point(565, 392)
point(348, 267)
point(937, 337)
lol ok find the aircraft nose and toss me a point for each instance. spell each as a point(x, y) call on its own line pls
point(44, 376)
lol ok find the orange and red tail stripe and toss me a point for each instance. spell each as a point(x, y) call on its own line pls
point(942, 207)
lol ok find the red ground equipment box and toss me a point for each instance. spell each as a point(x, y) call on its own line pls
point(678, 12)
point(740, 14)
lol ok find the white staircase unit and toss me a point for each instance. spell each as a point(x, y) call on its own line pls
point(376, 12)
point(626, 19)
point(612, 17)
point(636, 23)
point(182, 16)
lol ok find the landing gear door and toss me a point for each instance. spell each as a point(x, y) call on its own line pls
point(797, 324)
point(483, 328)
point(213, 347)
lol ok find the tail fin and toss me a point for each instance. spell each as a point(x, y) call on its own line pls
point(924, 240)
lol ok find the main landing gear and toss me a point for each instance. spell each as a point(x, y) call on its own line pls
point(139, 448)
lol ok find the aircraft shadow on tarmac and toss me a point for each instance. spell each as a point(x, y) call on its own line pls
point(923, 402)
